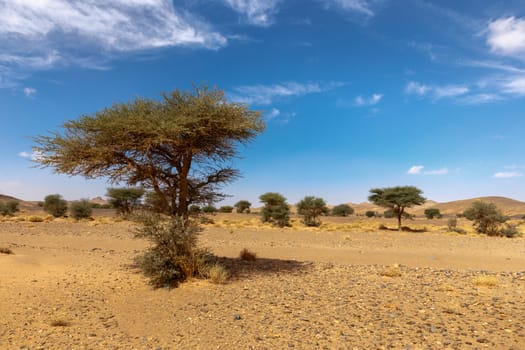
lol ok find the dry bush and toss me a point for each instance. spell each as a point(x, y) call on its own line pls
point(217, 274)
point(485, 281)
point(4, 250)
point(247, 255)
point(391, 271)
point(34, 218)
point(174, 256)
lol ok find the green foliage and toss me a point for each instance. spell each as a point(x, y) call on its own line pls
point(243, 206)
point(81, 209)
point(174, 255)
point(431, 213)
point(226, 209)
point(194, 209)
point(389, 214)
point(370, 213)
point(178, 147)
point(8, 208)
point(275, 210)
point(487, 218)
point(209, 209)
point(342, 210)
point(397, 198)
point(126, 199)
point(510, 231)
point(311, 208)
point(55, 205)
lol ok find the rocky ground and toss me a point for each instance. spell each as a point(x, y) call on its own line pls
point(72, 286)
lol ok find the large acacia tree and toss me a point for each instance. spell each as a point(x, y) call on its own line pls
point(397, 199)
point(179, 147)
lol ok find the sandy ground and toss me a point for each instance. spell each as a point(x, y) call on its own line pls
point(307, 290)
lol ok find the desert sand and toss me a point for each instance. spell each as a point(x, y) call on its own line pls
point(72, 285)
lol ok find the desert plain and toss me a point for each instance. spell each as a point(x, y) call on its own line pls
point(345, 285)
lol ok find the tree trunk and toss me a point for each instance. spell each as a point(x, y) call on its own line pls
point(182, 208)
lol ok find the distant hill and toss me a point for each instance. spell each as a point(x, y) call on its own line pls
point(5, 198)
point(507, 205)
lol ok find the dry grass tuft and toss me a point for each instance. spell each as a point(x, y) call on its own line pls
point(247, 255)
point(218, 274)
point(34, 218)
point(60, 323)
point(485, 281)
point(4, 250)
point(446, 287)
point(391, 271)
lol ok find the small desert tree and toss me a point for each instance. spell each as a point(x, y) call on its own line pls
point(342, 210)
point(431, 213)
point(311, 208)
point(55, 205)
point(81, 209)
point(243, 206)
point(275, 209)
point(125, 200)
point(397, 198)
point(226, 209)
point(8, 208)
point(179, 147)
point(486, 216)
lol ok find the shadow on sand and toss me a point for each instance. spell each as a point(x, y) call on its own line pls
point(240, 269)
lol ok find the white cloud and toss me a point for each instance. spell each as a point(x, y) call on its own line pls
point(450, 91)
point(371, 101)
point(266, 94)
point(32, 156)
point(28, 91)
point(24, 155)
point(274, 113)
point(357, 6)
point(514, 85)
point(415, 170)
point(256, 12)
point(416, 88)
point(442, 171)
point(37, 35)
point(418, 170)
point(507, 174)
point(506, 36)
point(481, 98)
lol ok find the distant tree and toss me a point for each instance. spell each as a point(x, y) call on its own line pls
point(487, 218)
point(178, 147)
point(8, 208)
point(55, 205)
point(81, 209)
point(431, 213)
point(389, 213)
point(209, 209)
point(342, 210)
point(311, 208)
point(126, 199)
point(370, 213)
point(226, 209)
point(275, 209)
point(194, 209)
point(243, 206)
point(397, 198)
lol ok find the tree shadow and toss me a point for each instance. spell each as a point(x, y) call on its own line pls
point(403, 228)
point(241, 269)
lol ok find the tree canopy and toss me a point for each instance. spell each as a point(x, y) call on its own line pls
point(397, 198)
point(275, 209)
point(342, 210)
point(125, 200)
point(311, 208)
point(486, 216)
point(179, 147)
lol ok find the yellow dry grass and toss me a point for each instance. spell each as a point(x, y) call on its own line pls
point(485, 281)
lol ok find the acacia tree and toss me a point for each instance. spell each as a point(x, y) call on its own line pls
point(275, 209)
point(397, 199)
point(243, 206)
point(311, 208)
point(125, 200)
point(179, 147)
point(487, 218)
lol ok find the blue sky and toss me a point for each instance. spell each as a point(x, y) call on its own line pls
point(356, 93)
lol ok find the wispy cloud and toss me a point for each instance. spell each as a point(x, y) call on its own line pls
point(28, 91)
point(415, 170)
point(255, 12)
point(418, 170)
point(267, 94)
point(435, 92)
point(417, 88)
point(506, 36)
point(507, 174)
point(273, 113)
point(39, 35)
point(32, 155)
point(368, 101)
point(356, 6)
